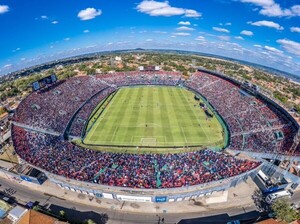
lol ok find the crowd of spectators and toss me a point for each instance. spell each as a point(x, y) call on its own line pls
point(126, 170)
point(142, 78)
point(53, 108)
point(252, 122)
point(80, 120)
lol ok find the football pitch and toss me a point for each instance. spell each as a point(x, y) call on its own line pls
point(153, 116)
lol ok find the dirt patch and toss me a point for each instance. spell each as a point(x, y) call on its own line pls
point(81, 196)
point(134, 205)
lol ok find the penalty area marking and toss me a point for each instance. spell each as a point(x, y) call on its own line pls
point(148, 141)
point(144, 138)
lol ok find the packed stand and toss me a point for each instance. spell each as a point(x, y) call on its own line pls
point(80, 120)
point(126, 170)
point(253, 120)
point(141, 78)
point(52, 109)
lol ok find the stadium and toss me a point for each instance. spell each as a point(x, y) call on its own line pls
point(152, 136)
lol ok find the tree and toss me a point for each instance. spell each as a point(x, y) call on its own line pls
point(90, 71)
point(278, 95)
point(284, 211)
point(36, 208)
point(297, 107)
point(62, 213)
point(89, 221)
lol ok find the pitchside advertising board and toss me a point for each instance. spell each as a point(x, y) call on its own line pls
point(133, 198)
point(107, 195)
point(44, 82)
point(26, 178)
point(30, 179)
point(161, 199)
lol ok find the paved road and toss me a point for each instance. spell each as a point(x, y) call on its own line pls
point(111, 216)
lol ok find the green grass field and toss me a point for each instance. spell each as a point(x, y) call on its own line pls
point(153, 116)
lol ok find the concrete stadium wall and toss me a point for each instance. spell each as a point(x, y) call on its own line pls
point(149, 195)
point(261, 155)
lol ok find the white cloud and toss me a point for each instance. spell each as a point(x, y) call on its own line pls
point(67, 39)
point(296, 10)
point(273, 49)
point(89, 13)
point(86, 31)
point(154, 8)
point(290, 46)
point(44, 17)
point(239, 38)
point(247, 33)
point(160, 32)
point(185, 28)
point(4, 9)
point(54, 22)
point(257, 45)
point(17, 49)
point(225, 24)
point(224, 38)
point(110, 43)
point(266, 23)
point(275, 11)
point(192, 13)
point(200, 38)
point(263, 3)
point(272, 9)
point(295, 29)
point(181, 34)
point(184, 23)
point(222, 30)
point(7, 66)
point(91, 46)
point(149, 40)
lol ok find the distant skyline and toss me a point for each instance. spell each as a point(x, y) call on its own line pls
point(266, 32)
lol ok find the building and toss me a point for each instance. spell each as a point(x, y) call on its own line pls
point(20, 215)
point(34, 217)
point(118, 58)
point(16, 214)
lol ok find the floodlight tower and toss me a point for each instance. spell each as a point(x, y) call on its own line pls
point(112, 62)
point(194, 63)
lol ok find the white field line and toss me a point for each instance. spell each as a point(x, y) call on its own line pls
point(111, 140)
point(184, 135)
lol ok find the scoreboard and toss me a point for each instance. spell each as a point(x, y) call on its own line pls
point(44, 82)
point(149, 68)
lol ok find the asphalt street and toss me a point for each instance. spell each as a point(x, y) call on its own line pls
point(110, 216)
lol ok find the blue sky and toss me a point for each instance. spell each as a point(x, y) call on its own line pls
point(261, 31)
